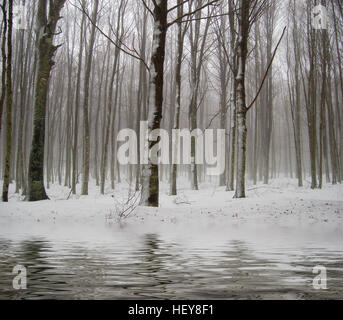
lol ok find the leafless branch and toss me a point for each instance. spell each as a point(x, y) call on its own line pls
point(82, 9)
point(213, 2)
point(266, 74)
point(147, 7)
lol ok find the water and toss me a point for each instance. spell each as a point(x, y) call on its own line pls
point(155, 266)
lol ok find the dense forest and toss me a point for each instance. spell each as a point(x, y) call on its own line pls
point(75, 73)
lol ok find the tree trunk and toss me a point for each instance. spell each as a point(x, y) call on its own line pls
point(86, 137)
point(77, 107)
point(241, 103)
point(176, 126)
point(46, 50)
point(4, 57)
point(150, 177)
point(8, 105)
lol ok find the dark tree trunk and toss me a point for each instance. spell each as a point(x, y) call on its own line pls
point(241, 103)
point(8, 105)
point(3, 54)
point(150, 176)
point(46, 29)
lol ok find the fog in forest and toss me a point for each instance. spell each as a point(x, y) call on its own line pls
point(98, 98)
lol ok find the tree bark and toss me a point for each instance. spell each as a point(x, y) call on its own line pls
point(4, 57)
point(180, 42)
point(76, 111)
point(46, 29)
point(8, 105)
point(241, 103)
point(150, 176)
point(86, 136)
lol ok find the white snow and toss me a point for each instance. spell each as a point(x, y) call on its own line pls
point(212, 211)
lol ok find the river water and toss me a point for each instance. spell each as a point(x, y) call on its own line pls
point(151, 265)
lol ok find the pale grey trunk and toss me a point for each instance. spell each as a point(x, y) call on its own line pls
point(86, 142)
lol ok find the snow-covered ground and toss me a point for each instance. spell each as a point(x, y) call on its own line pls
point(281, 203)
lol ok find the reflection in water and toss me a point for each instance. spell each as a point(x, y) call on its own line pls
point(158, 268)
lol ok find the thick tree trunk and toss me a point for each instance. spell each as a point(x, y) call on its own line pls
point(150, 177)
point(241, 103)
point(46, 50)
point(4, 57)
point(7, 168)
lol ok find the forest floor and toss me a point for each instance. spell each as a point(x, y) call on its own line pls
point(200, 244)
point(281, 203)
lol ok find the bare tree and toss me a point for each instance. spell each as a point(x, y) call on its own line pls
point(46, 30)
point(182, 28)
point(86, 134)
point(3, 55)
point(8, 102)
point(115, 67)
point(77, 107)
point(150, 177)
